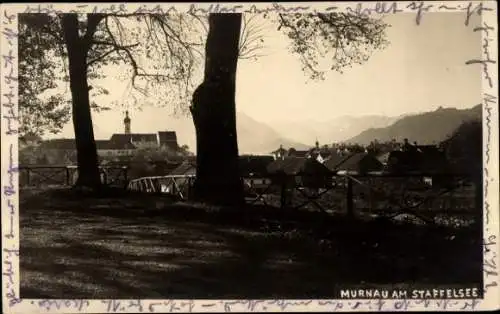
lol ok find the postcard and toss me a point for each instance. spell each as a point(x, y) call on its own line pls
point(241, 157)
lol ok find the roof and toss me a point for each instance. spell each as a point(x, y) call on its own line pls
point(184, 168)
point(164, 167)
point(251, 164)
point(384, 157)
point(69, 143)
point(134, 137)
point(313, 155)
point(60, 143)
point(432, 149)
point(325, 153)
point(296, 166)
point(335, 160)
point(353, 163)
point(109, 145)
point(168, 138)
point(299, 153)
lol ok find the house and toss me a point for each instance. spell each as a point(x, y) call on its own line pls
point(113, 149)
point(280, 153)
point(164, 167)
point(335, 160)
point(121, 144)
point(307, 172)
point(57, 151)
point(146, 140)
point(60, 144)
point(433, 159)
point(320, 156)
point(383, 158)
point(254, 166)
point(423, 159)
point(168, 140)
point(360, 163)
point(253, 169)
point(404, 161)
point(104, 147)
point(292, 152)
point(186, 168)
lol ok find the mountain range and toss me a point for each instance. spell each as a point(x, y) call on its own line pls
point(256, 137)
point(333, 130)
point(425, 128)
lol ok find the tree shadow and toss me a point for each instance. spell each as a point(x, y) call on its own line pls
point(76, 249)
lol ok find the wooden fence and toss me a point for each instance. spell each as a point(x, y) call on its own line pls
point(34, 175)
point(420, 195)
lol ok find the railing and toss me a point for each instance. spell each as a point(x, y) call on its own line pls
point(177, 185)
point(421, 195)
point(34, 175)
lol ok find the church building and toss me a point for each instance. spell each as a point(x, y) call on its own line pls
point(162, 139)
point(121, 144)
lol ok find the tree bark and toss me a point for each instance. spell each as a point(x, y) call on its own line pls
point(214, 116)
point(77, 48)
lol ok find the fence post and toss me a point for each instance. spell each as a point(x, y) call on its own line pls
point(104, 176)
point(190, 188)
point(125, 175)
point(67, 176)
point(283, 192)
point(350, 203)
point(371, 200)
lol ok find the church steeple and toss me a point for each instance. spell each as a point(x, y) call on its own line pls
point(126, 122)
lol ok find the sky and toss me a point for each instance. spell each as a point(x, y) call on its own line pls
point(422, 68)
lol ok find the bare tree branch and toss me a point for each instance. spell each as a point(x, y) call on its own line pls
point(115, 49)
point(251, 35)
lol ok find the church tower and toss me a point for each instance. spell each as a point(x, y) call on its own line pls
point(126, 121)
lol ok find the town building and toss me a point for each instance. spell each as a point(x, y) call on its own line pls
point(121, 144)
point(321, 154)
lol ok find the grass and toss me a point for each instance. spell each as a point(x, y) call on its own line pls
point(125, 245)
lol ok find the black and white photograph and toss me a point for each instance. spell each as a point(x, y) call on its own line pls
point(242, 152)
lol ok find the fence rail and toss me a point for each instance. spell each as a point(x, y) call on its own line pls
point(423, 195)
point(420, 195)
point(35, 175)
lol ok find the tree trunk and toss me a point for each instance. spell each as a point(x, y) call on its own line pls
point(214, 116)
point(88, 170)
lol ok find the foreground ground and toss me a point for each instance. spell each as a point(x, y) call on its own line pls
point(150, 247)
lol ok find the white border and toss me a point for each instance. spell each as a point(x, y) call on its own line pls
point(10, 214)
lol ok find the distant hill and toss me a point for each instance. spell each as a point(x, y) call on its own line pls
point(426, 128)
point(255, 137)
point(332, 130)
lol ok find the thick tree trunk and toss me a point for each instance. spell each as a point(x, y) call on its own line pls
point(88, 171)
point(214, 115)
